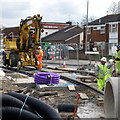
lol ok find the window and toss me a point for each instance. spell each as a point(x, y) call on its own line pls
point(109, 28)
point(88, 30)
point(95, 28)
point(113, 28)
point(102, 30)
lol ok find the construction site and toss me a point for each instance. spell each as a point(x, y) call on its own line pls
point(42, 79)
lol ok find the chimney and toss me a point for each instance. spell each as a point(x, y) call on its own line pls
point(69, 22)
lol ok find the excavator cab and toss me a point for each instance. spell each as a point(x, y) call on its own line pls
point(31, 41)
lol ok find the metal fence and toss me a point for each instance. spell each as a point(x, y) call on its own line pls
point(65, 50)
point(76, 52)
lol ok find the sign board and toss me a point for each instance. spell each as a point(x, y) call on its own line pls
point(51, 52)
point(91, 52)
point(46, 43)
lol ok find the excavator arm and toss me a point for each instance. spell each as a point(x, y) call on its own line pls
point(24, 32)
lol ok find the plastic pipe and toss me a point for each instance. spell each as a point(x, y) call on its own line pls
point(12, 113)
point(8, 100)
point(111, 98)
point(44, 110)
point(66, 107)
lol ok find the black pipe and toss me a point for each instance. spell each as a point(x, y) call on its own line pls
point(44, 110)
point(13, 113)
point(8, 100)
point(66, 107)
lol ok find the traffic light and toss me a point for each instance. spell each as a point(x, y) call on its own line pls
point(91, 46)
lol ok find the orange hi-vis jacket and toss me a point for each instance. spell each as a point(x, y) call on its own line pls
point(39, 57)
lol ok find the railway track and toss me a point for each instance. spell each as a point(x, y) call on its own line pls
point(27, 71)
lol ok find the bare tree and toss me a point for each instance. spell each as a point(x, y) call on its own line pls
point(84, 19)
point(113, 9)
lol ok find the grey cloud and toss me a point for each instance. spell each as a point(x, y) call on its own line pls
point(63, 7)
point(62, 10)
point(13, 9)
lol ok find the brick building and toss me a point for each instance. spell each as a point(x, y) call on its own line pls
point(104, 32)
point(47, 27)
point(67, 35)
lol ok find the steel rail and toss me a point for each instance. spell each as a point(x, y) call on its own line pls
point(77, 82)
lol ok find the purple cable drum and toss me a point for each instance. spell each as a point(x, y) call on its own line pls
point(43, 78)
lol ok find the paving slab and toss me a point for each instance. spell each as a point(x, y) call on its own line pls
point(24, 80)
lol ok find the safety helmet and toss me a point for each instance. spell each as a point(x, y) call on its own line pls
point(118, 46)
point(39, 47)
point(104, 59)
point(111, 61)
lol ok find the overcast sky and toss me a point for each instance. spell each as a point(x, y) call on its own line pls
point(12, 11)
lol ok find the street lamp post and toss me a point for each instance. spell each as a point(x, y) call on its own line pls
point(86, 25)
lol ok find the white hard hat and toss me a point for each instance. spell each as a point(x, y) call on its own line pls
point(111, 61)
point(104, 59)
point(39, 47)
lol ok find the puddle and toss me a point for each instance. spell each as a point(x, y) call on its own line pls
point(90, 110)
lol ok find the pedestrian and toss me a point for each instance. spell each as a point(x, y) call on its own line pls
point(100, 73)
point(39, 57)
point(117, 58)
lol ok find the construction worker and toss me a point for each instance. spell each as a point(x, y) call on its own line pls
point(100, 73)
point(111, 69)
point(39, 57)
point(117, 58)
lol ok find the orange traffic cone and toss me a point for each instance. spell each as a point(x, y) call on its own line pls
point(64, 65)
point(95, 65)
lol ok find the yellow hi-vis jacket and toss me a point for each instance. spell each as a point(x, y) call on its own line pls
point(117, 59)
point(103, 71)
point(117, 54)
point(109, 73)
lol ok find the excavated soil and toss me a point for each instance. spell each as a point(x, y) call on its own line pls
point(63, 96)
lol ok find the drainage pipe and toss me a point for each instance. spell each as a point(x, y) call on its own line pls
point(44, 110)
point(112, 98)
point(9, 113)
point(8, 100)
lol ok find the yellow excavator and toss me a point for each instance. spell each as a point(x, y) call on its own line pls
point(19, 51)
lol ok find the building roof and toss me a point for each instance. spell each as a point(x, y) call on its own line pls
point(106, 19)
point(9, 29)
point(67, 23)
point(63, 34)
point(45, 25)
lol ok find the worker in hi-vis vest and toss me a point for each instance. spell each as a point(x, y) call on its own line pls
point(102, 72)
point(117, 58)
point(111, 69)
point(39, 57)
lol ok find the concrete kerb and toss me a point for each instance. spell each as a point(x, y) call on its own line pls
point(111, 101)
